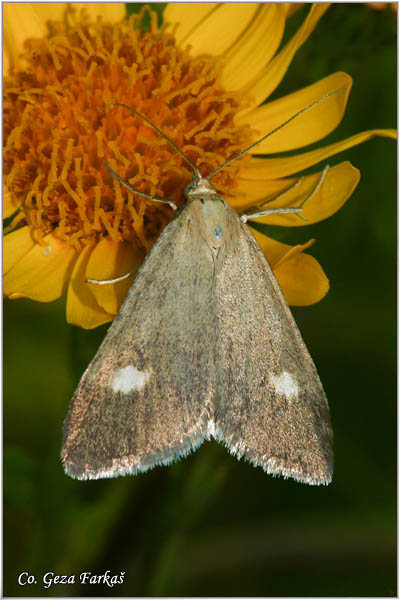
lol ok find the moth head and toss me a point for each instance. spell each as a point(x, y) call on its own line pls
point(199, 186)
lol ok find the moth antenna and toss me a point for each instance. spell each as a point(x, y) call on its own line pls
point(135, 191)
point(196, 172)
point(273, 131)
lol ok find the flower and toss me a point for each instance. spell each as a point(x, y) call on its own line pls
point(70, 220)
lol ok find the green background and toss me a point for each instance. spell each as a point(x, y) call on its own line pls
point(211, 525)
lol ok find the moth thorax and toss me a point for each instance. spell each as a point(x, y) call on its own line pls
point(214, 220)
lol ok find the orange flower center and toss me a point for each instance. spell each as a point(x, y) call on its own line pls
point(61, 123)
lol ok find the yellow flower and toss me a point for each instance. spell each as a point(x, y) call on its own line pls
point(71, 220)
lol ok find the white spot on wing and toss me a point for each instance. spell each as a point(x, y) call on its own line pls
point(47, 251)
point(128, 379)
point(285, 385)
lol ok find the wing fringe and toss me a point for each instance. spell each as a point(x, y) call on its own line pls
point(130, 465)
point(271, 465)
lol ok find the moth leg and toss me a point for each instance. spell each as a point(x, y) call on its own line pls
point(272, 211)
point(317, 187)
point(108, 281)
point(260, 211)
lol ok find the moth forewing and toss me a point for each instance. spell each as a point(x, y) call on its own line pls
point(270, 406)
point(146, 397)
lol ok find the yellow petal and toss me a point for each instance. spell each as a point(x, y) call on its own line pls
point(15, 246)
point(245, 59)
point(382, 5)
point(28, 20)
point(312, 125)
point(41, 273)
point(253, 191)
point(110, 260)
point(273, 73)
point(9, 203)
point(220, 29)
point(302, 280)
point(299, 275)
point(82, 307)
point(110, 12)
point(21, 21)
point(274, 168)
point(186, 16)
point(322, 194)
point(292, 7)
point(274, 251)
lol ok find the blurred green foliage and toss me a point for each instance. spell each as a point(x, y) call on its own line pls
point(210, 525)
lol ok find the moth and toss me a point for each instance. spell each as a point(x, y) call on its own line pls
point(204, 346)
